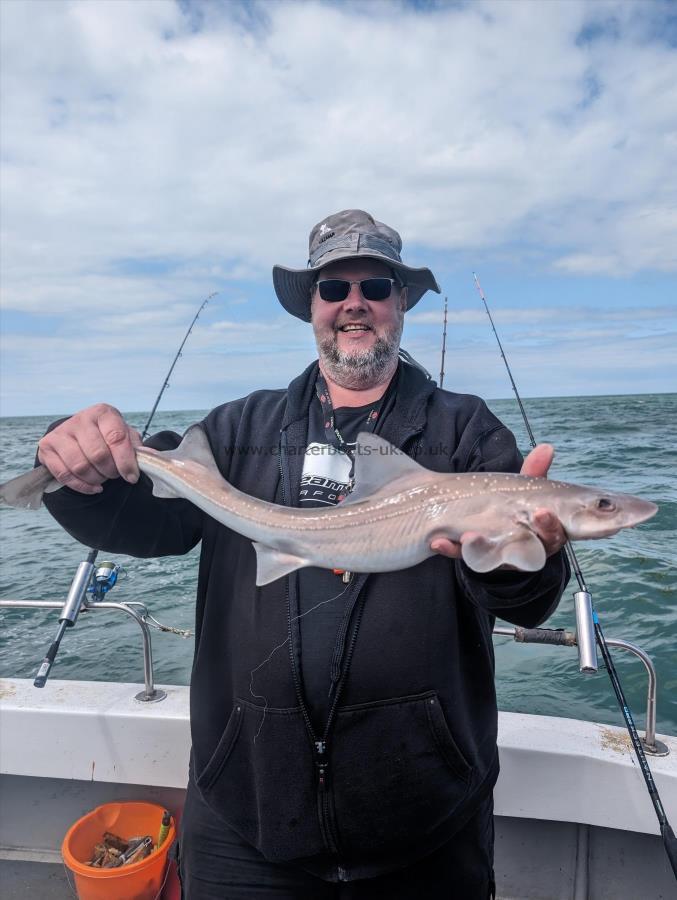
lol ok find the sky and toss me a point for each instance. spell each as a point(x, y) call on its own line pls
point(154, 152)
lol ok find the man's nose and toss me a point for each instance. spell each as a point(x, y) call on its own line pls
point(355, 300)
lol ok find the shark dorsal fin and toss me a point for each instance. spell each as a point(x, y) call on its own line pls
point(377, 465)
point(194, 448)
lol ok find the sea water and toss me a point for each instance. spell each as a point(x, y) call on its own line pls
point(626, 443)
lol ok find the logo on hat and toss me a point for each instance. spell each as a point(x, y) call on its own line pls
point(324, 227)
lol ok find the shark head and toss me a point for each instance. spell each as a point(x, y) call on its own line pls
point(598, 514)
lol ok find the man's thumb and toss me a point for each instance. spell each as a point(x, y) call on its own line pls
point(538, 461)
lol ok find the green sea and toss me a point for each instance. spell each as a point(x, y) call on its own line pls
point(626, 443)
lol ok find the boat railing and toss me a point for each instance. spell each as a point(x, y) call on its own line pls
point(563, 638)
point(150, 693)
point(553, 636)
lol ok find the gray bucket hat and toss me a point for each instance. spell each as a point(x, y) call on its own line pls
point(350, 234)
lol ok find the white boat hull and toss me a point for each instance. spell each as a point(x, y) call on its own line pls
point(573, 817)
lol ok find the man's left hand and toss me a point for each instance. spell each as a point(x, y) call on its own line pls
point(545, 523)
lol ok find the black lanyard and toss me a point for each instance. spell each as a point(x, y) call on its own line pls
point(334, 436)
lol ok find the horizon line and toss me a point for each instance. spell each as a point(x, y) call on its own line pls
point(486, 400)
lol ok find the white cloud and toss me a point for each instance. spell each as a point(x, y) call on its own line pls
point(121, 141)
point(153, 152)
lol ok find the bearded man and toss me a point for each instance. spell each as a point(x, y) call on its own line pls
point(343, 725)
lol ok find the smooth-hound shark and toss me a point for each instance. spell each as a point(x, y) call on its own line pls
point(388, 521)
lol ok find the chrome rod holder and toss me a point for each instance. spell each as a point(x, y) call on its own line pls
point(585, 633)
point(75, 600)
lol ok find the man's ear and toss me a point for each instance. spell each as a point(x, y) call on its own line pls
point(404, 299)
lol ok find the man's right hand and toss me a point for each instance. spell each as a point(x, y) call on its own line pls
point(89, 448)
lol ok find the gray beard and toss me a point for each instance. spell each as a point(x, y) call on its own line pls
point(362, 369)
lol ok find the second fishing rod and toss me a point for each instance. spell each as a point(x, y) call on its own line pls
point(589, 634)
point(82, 582)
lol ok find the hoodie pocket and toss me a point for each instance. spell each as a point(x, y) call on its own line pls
point(261, 780)
point(398, 774)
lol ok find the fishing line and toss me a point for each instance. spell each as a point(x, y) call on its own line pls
point(150, 619)
point(279, 647)
point(667, 834)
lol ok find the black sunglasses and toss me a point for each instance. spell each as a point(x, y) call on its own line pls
point(334, 290)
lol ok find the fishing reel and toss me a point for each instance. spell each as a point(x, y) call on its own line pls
point(104, 579)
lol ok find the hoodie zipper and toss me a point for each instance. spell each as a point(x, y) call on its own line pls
point(320, 755)
point(322, 761)
point(340, 668)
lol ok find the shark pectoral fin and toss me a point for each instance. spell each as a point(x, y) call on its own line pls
point(481, 554)
point(525, 552)
point(377, 465)
point(273, 564)
point(522, 550)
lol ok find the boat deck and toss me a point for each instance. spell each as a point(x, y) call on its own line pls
point(573, 818)
point(535, 860)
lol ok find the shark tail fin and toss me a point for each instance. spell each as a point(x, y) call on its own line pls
point(26, 491)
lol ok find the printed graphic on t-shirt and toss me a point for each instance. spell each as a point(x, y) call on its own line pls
point(326, 475)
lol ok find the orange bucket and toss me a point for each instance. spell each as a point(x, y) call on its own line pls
point(142, 880)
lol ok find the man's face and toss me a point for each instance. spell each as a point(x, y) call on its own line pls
point(357, 339)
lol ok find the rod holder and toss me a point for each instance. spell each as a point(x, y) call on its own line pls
point(585, 633)
point(77, 593)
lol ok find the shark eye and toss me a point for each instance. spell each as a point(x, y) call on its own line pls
point(605, 505)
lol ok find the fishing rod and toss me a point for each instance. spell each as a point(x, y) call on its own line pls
point(444, 344)
point(164, 387)
point(86, 570)
point(587, 616)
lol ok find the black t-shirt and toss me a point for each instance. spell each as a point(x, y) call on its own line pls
point(325, 482)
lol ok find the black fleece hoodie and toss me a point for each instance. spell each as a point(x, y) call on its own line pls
point(410, 750)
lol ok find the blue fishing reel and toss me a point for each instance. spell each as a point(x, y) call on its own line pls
point(104, 579)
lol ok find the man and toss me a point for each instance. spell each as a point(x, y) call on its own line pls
point(344, 726)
